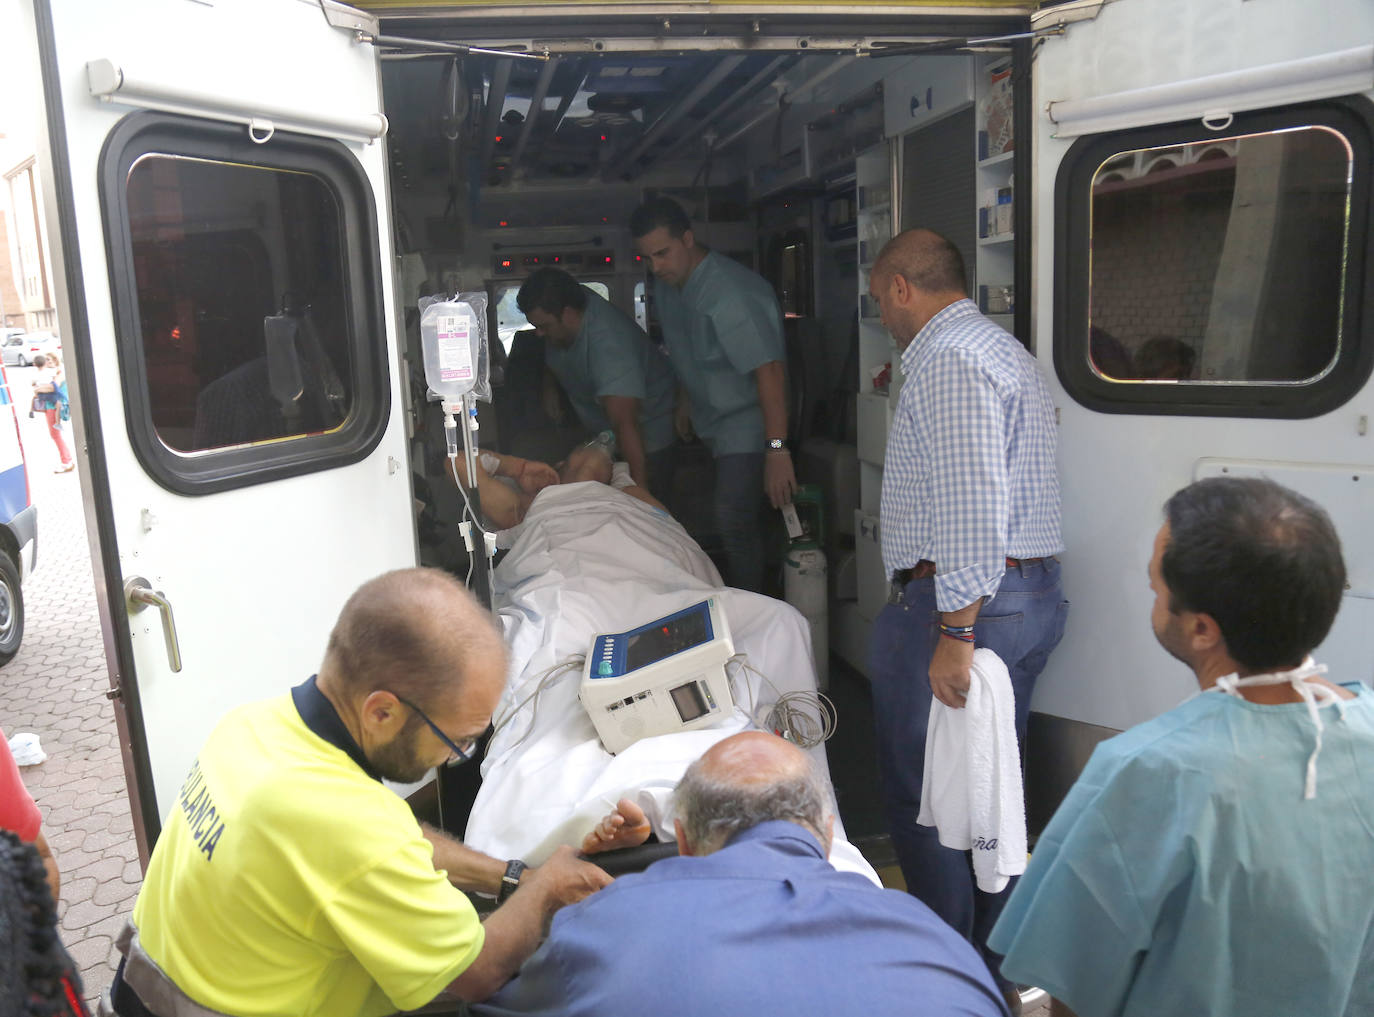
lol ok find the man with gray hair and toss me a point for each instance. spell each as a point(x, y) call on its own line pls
point(752, 918)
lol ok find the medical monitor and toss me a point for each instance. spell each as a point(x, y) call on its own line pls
point(664, 676)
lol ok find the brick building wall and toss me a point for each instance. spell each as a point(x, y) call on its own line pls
point(1154, 261)
point(13, 310)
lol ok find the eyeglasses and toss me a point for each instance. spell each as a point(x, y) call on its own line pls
point(464, 750)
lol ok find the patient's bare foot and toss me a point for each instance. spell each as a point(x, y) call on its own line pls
point(626, 826)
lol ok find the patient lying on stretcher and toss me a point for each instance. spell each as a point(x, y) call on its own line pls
point(587, 561)
point(507, 485)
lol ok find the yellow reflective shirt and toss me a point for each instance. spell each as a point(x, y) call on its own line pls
point(288, 882)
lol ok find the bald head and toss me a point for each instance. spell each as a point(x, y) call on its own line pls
point(748, 779)
point(753, 758)
point(926, 260)
point(415, 632)
point(917, 275)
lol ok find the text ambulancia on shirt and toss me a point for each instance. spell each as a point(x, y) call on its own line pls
point(201, 815)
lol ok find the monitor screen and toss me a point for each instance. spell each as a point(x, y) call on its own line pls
point(689, 701)
point(666, 638)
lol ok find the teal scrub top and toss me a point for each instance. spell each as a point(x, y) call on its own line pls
point(1186, 874)
point(719, 328)
point(612, 356)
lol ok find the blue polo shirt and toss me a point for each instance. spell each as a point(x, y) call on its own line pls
point(764, 926)
point(720, 327)
point(612, 356)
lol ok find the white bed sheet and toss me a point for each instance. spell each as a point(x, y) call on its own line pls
point(590, 559)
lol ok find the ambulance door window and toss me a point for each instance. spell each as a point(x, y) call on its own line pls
point(246, 286)
point(1219, 273)
point(510, 319)
point(641, 305)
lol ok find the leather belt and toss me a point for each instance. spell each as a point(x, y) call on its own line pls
point(924, 569)
point(921, 570)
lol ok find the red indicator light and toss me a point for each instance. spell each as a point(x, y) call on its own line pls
point(556, 259)
point(503, 223)
point(665, 630)
point(499, 138)
point(506, 263)
point(603, 137)
point(176, 332)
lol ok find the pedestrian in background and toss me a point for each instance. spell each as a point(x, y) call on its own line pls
point(50, 396)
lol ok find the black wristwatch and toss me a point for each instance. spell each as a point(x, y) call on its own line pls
point(510, 880)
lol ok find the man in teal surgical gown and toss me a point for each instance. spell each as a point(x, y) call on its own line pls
point(1216, 860)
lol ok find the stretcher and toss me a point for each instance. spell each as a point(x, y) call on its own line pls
point(590, 559)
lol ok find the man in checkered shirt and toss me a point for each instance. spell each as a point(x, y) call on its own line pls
point(970, 527)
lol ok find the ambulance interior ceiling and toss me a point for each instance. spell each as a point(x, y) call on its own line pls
point(500, 141)
point(506, 139)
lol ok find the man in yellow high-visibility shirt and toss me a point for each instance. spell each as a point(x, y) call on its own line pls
point(290, 882)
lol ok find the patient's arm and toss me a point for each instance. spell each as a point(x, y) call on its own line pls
point(532, 475)
point(502, 506)
point(642, 493)
point(622, 479)
point(624, 827)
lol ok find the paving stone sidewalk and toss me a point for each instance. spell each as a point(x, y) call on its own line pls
point(56, 687)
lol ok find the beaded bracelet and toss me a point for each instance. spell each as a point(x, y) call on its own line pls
point(963, 633)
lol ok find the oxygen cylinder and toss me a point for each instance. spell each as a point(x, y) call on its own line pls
point(805, 588)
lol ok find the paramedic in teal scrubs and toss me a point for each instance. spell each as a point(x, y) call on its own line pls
point(615, 378)
point(723, 330)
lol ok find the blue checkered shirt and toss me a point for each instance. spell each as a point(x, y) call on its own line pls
point(969, 478)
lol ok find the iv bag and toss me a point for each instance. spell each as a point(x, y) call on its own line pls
point(453, 336)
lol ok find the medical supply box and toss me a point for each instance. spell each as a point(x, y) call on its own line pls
point(665, 676)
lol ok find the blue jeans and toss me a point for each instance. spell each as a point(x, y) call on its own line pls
point(1021, 624)
point(739, 496)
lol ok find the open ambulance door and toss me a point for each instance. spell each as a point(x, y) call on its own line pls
point(216, 185)
point(1204, 305)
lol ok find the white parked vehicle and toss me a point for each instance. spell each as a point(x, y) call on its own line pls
point(20, 349)
point(18, 523)
point(10, 346)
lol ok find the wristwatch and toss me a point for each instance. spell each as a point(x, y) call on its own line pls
point(777, 444)
point(510, 879)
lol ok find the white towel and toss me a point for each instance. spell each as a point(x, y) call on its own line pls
point(972, 790)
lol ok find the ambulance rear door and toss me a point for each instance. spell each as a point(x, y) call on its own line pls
point(1203, 303)
point(216, 187)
